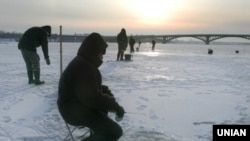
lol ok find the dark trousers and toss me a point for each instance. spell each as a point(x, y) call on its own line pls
point(132, 49)
point(104, 128)
point(120, 55)
point(31, 60)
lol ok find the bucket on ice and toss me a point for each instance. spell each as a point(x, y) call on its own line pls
point(128, 57)
point(210, 51)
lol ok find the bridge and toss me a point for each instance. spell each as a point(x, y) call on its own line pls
point(207, 38)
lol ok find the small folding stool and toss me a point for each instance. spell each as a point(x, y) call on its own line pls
point(71, 131)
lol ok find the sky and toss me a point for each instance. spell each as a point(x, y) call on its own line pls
point(137, 16)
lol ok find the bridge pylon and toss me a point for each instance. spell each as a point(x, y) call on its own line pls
point(207, 41)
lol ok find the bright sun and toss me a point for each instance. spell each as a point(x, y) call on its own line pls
point(153, 11)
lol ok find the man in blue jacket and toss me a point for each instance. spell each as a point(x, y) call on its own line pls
point(31, 39)
point(82, 99)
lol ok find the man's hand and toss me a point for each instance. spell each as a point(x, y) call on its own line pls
point(119, 113)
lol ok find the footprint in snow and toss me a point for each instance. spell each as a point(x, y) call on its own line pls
point(143, 98)
point(6, 119)
point(141, 107)
point(153, 116)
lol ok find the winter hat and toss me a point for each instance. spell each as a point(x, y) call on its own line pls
point(48, 29)
point(91, 47)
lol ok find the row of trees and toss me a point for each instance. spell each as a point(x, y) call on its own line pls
point(54, 37)
point(10, 35)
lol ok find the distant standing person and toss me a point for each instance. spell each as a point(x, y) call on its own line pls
point(153, 45)
point(122, 41)
point(137, 49)
point(131, 44)
point(31, 39)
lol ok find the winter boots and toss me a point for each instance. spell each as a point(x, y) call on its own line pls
point(37, 80)
point(30, 76)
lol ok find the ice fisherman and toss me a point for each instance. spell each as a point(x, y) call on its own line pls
point(31, 39)
point(131, 44)
point(139, 45)
point(122, 41)
point(153, 45)
point(82, 99)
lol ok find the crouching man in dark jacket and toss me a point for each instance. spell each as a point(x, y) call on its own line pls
point(83, 100)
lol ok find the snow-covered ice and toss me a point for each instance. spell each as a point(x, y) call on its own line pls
point(176, 93)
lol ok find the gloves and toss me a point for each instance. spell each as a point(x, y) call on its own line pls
point(47, 61)
point(119, 113)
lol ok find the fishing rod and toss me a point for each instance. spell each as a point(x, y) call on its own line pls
point(134, 113)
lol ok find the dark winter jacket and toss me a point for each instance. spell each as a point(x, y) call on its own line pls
point(131, 41)
point(80, 86)
point(122, 40)
point(35, 37)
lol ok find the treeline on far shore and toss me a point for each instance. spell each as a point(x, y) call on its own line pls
point(13, 36)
